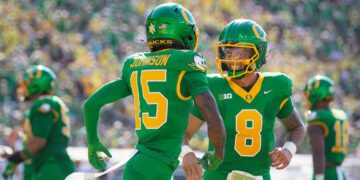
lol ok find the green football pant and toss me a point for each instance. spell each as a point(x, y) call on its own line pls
point(28, 171)
point(333, 173)
point(54, 170)
point(222, 175)
point(145, 167)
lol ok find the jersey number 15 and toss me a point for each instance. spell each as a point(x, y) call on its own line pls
point(151, 98)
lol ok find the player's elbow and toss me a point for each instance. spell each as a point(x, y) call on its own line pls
point(88, 105)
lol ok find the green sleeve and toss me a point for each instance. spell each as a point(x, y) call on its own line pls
point(41, 123)
point(195, 83)
point(195, 111)
point(109, 93)
point(286, 109)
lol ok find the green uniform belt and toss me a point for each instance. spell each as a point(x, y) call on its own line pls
point(172, 162)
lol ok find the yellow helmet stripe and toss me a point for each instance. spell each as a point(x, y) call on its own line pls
point(38, 73)
point(255, 31)
point(185, 17)
point(31, 74)
point(317, 84)
point(197, 32)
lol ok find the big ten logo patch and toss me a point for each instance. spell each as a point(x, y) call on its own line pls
point(225, 96)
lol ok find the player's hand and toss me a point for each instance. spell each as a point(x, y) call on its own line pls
point(280, 158)
point(9, 170)
point(191, 167)
point(209, 161)
point(95, 159)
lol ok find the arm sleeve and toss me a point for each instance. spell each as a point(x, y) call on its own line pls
point(109, 93)
point(195, 83)
point(286, 108)
point(41, 123)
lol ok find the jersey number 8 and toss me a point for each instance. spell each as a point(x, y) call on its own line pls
point(248, 128)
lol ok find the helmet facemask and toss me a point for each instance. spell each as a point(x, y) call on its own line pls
point(236, 59)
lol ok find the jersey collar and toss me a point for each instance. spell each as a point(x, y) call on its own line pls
point(247, 96)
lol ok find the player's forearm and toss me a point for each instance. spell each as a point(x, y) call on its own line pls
point(107, 94)
point(216, 131)
point(318, 147)
point(35, 145)
point(194, 125)
point(295, 129)
point(296, 135)
point(217, 138)
point(319, 162)
point(91, 119)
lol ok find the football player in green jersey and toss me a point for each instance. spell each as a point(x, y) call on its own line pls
point(164, 83)
point(327, 128)
point(249, 101)
point(49, 123)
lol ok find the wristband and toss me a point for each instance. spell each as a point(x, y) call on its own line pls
point(15, 158)
point(291, 147)
point(27, 153)
point(184, 150)
point(319, 177)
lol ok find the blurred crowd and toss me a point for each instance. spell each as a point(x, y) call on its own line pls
point(85, 42)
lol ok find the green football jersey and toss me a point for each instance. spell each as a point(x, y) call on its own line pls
point(249, 118)
point(162, 84)
point(49, 120)
point(336, 132)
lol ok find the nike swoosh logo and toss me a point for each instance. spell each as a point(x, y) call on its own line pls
point(266, 92)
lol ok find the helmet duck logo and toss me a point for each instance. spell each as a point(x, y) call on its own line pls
point(151, 28)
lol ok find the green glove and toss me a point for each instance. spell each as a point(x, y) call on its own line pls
point(9, 170)
point(209, 161)
point(95, 159)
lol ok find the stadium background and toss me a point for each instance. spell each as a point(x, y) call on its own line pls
point(85, 42)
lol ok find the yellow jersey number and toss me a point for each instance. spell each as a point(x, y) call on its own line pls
point(150, 97)
point(248, 128)
point(341, 137)
point(65, 117)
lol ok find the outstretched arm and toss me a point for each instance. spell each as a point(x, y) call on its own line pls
point(109, 93)
point(216, 130)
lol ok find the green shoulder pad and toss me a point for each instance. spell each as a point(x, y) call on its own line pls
point(216, 80)
point(339, 114)
point(311, 116)
point(45, 104)
point(282, 83)
point(187, 60)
